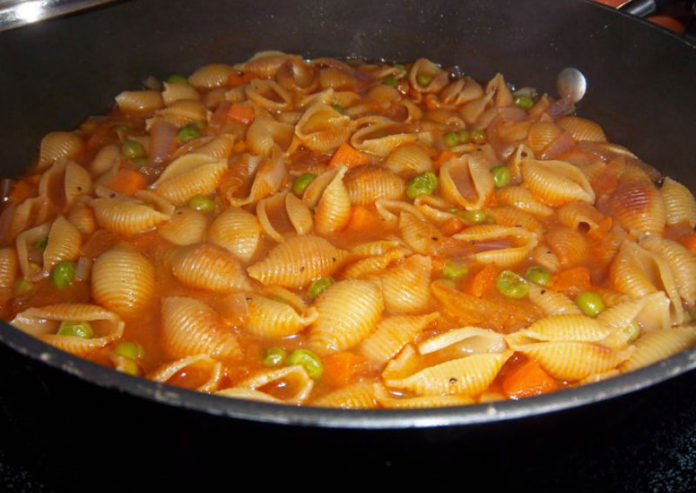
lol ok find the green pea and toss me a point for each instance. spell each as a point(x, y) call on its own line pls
point(451, 139)
point(129, 366)
point(464, 136)
point(274, 356)
point(202, 203)
point(132, 149)
point(302, 182)
point(424, 184)
point(177, 79)
point(128, 349)
point(455, 269)
point(310, 361)
point(63, 274)
point(538, 275)
point(512, 284)
point(524, 102)
point(590, 303)
point(83, 330)
point(121, 130)
point(632, 331)
point(423, 79)
point(41, 244)
point(478, 136)
point(501, 176)
point(189, 132)
point(471, 217)
point(22, 286)
point(339, 109)
point(318, 286)
point(390, 81)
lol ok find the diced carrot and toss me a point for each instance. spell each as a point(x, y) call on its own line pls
point(442, 158)
point(362, 219)
point(528, 379)
point(240, 79)
point(348, 157)
point(452, 226)
point(342, 368)
point(572, 281)
point(241, 113)
point(483, 281)
point(127, 182)
point(689, 241)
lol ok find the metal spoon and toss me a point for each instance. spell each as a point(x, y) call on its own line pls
point(571, 84)
point(16, 13)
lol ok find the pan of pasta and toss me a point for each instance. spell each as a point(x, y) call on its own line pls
point(358, 228)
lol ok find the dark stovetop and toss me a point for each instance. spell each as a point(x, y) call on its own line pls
point(644, 442)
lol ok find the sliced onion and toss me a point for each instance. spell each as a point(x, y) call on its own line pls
point(162, 138)
point(559, 108)
point(83, 268)
point(562, 144)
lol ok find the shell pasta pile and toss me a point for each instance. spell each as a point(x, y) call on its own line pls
point(349, 234)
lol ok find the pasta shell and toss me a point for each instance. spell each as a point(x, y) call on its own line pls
point(524, 200)
point(63, 243)
point(409, 160)
point(139, 102)
point(381, 136)
point(211, 76)
point(348, 312)
point(126, 217)
point(297, 76)
point(188, 176)
point(466, 181)
point(282, 214)
point(545, 257)
point(406, 287)
point(567, 327)
point(293, 381)
point(82, 217)
point(332, 211)
point(190, 327)
point(268, 94)
point(9, 269)
point(468, 340)
point(77, 182)
point(203, 366)
point(266, 132)
point(208, 266)
point(469, 376)
point(267, 63)
point(219, 147)
point(238, 231)
point(297, 261)
point(541, 135)
point(25, 241)
point(658, 345)
point(270, 175)
point(271, 318)
point(514, 244)
point(322, 128)
point(570, 246)
point(177, 91)
point(365, 184)
point(374, 264)
point(186, 227)
point(512, 217)
point(556, 182)
point(638, 206)
point(461, 91)
point(574, 361)
point(552, 302)
point(418, 234)
point(680, 205)
point(392, 334)
point(56, 146)
point(45, 321)
point(437, 77)
point(681, 262)
point(123, 280)
point(356, 396)
point(582, 129)
point(390, 401)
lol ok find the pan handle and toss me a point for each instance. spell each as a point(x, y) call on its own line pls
point(19, 13)
point(643, 8)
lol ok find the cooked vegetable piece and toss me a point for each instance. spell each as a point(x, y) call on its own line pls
point(424, 184)
point(590, 303)
point(310, 361)
point(83, 330)
point(512, 284)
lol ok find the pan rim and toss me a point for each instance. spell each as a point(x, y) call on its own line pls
point(363, 419)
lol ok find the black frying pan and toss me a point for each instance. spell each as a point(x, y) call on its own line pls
point(52, 75)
